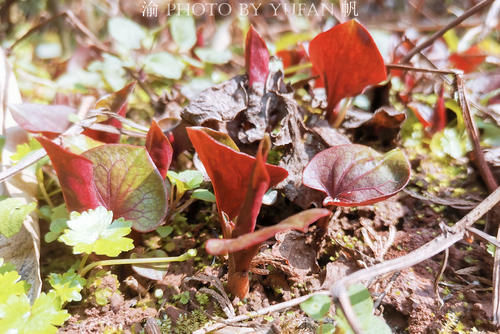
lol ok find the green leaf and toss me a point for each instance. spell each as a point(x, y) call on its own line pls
point(126, 32)
point(24, 149)
point(316, 307)
point(11, 285)
point(163, 64)
point(183, 31)
point(5, 267)
point(14, 313)
point(13, 211)
point(326, 329)
point(57, 217)
point(95, 231)
point(185, 180)
point(204, 195)
point(451, 141)
point(213, 56)
point(164, 231)
point(68, 285)
point(362, 305)
point(45, 314)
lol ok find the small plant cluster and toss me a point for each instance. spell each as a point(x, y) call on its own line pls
point(111, 188)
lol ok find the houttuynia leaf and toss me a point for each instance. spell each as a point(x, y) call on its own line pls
point(353, 174)
point(348, 60)
point(120, 177)
point(230, 171)
point(256, 58)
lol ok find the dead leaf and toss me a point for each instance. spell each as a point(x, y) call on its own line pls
point(22, 249)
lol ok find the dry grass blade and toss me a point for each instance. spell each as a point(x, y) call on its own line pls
point(433, 247)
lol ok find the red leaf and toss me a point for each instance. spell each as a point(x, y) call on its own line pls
point(76, 177)
point(439, 117)
point(292, 57)
point(299, 222)
point(256, 58)
point(122, 178)
point(348, 60)
point(229, 170)
point(115, 102)
point(259, 183)
point(469, 60)
point(433, 120)
point(159, 148)
point(37, 118)
point(353, 175)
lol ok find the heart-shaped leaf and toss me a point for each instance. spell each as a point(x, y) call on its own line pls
point(129, 184)
point(122, 178)
point(159, 148)
point(353, 174)
point(117, 103)
point(256, 57)
point(229, 170)
point(347, 60)
point(299, 221)
point(38, 118)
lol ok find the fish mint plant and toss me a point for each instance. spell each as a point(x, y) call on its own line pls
point(240, 182)
point(353, 174)
point(341, 57)
point(125, 179)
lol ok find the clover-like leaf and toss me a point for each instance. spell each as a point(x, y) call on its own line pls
point(348, 60)
point(353, 174)
point(13, 211)
point(229, 170)
point(299, 221)
point(256, 58)
point(68, 285)
point(95, 231)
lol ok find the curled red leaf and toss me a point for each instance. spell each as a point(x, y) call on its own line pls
point(300, 222)
point(256, 58)
point(347, 60)
point(159, 148)
point(76, 177)
point(117, 103)
point(353, 175)
point(229, 170)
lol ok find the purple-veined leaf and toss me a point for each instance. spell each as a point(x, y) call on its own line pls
point(129, 184)
point(353, 175)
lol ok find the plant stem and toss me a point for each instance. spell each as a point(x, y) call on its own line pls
point(186, 256)
point(82, 263)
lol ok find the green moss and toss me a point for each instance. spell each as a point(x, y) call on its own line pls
point(190, 322)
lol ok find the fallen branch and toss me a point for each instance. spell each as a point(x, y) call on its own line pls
point(471, 11)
